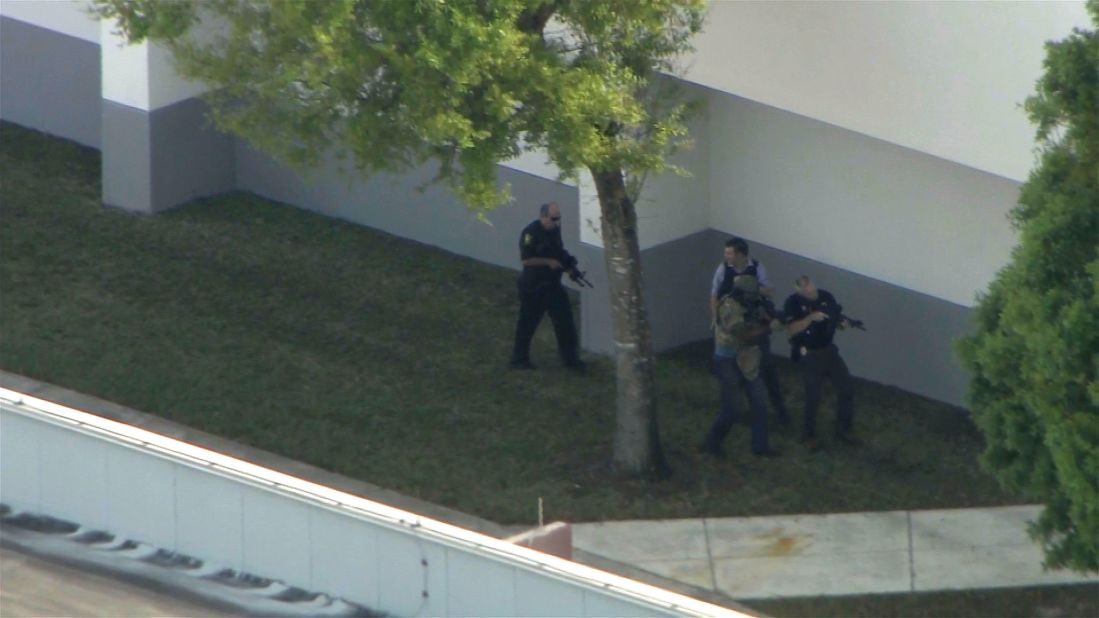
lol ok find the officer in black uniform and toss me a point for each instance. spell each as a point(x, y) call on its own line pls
point(812, 316)
point(544, 261)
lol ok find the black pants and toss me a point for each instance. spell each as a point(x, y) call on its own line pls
point(817, 365)
point(732, 382)
point(533, 304)
point(770, 379)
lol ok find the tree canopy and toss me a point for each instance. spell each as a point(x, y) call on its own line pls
point(1035, 353)
point(470, 84)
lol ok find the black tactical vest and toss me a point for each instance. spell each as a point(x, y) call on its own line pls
point(730, 274)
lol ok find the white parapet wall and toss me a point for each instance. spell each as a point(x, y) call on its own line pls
point(114, 477)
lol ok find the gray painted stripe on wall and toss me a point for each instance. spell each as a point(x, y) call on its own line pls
point(676, 284)
point(50, 81)
point(407, 205)
point(127, 158)
point(909, 342)
point(190, 158)
point(159, 160)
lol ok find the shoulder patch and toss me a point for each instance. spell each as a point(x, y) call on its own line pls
point(527, 239)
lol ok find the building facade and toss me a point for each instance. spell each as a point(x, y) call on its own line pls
point(877, 147)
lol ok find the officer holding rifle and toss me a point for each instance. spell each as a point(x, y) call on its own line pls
point(544, 259)
point(812, 316)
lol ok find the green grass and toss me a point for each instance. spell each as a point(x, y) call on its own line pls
point(1045, 602)
point(384, 360)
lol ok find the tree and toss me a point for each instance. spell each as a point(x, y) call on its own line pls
point(1035, 354)
point(469, 83)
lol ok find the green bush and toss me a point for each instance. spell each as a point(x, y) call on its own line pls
point(1035, 354)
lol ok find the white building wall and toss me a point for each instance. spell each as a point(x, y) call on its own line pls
point(166, 87)
point(944, 78)
point(140, 76)
point(673, 206)
point(71, 17)
point(125, 69)
point(882, 138)
point(857, 203)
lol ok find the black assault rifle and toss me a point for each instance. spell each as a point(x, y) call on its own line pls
point(578, 277)
point(851, 322)
point(575, 273)
point(835, 320)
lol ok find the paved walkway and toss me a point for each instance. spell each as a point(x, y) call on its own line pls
point(836, 554)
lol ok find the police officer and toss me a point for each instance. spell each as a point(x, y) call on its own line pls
point(738, 329)
point(737, 262)
point(544, 261)
point(812, 316)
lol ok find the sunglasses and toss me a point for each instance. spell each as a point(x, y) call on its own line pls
point(555, 218)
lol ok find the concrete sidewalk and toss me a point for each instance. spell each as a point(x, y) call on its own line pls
point(835, 554)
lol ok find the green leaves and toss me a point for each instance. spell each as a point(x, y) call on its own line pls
point(467, 82)
point(1068, 92)
point(150, 19)
point(1035, 354)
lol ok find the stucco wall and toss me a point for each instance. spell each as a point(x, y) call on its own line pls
point(409, 205)
point(943, 78)
point(858, 203)
point(49, 81)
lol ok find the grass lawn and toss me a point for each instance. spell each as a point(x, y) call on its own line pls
point(384, 359)
point(1080, 601)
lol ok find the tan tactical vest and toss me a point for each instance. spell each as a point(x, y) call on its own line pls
point(727, 329)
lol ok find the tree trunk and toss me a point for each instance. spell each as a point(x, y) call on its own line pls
point(637, 448)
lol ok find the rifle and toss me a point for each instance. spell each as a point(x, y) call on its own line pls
point(575, 273)
point(852, 322)
point(835, 318)
point(578, 277)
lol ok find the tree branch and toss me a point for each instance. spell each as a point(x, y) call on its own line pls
point(533, 22)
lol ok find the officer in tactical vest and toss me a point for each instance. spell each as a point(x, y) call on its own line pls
point(812, 317)
point(544, 259)
point(739, 325)
point(737, 262)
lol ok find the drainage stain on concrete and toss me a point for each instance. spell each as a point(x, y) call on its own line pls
point(743, 573)
point(777, 543)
